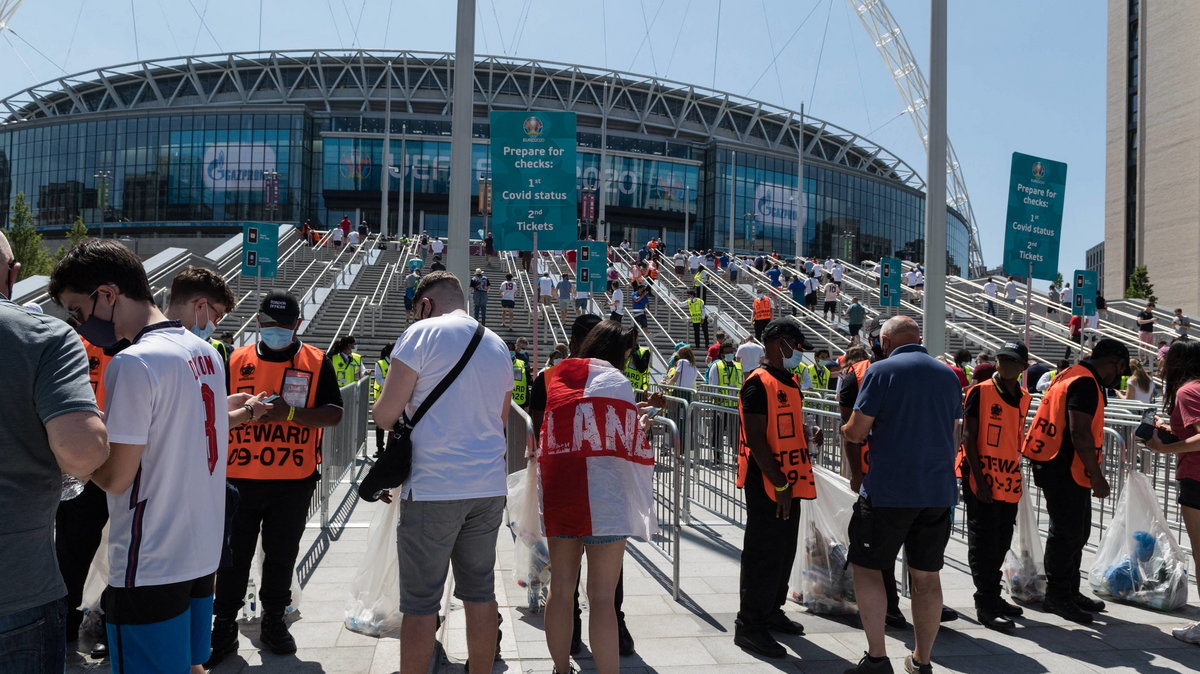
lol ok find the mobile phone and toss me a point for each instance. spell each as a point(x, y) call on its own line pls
point(271, 399)
point(1146, 428)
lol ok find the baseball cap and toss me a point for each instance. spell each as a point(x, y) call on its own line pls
point(785, 326)
point(280, 307)
point(1014, 350)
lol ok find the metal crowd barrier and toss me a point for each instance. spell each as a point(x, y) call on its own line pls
point(663, 435)
point(711, 452)
point(341, 445)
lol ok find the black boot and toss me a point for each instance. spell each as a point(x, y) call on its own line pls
point(224, 641)
point(275, 635)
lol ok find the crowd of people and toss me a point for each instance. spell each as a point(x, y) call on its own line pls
point(195, 451)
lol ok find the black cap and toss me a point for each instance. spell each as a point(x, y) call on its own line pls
point(1109, 348)
point(280, 307)
point(785, 326)
point(1014, 350)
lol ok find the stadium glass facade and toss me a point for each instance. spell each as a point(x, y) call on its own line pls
point(152, 150)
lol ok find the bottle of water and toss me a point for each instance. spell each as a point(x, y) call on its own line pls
point(250, 604)
point(71, 487)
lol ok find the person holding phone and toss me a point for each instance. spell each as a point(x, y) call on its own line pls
point(1181, 401)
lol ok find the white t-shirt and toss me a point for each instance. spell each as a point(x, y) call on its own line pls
point(459, 445)
point(338, 234)
point(818, 271)
point(831, 292)
point(811, 285)
point(581, 294)
point(1067, 295)
point(694, 262)
point(508, 290)
point(1010, 290)
point(990, 288)
point(353, 237)
point(680, 259)
point(749, 355)
point(686, 376)
point(167, 392)
point(838, 271)
point(437, 246)
point(618, 300)
point(910, 278)
point(545, 286)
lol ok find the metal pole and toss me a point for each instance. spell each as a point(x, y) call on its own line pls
point(687, 190)
point(732, 189)
point(385, 176)
point(537, 305)
point(602, 195)
point(402, 164)
point(1028, 303)
point(934, 302)
point(801, 204)
point(412, 198)
point(459, 225)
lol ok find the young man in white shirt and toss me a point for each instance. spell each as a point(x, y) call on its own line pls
point(545, 289)
point(338, 236)
point(508, 300)
point(616, 303)
point(749, 353)
point(454, 497)
point(166, 413)
point(829, 310)
point(839, 272)
point(989, 290)
point(1010, 295)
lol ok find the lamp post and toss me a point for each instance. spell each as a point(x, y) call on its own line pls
point(748, 219)
point(102, 183)
point(687, 190)
point(271, 193)
point(485, 199)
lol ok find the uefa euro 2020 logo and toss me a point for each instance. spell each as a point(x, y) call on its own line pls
point(1039, 170)
point(533, 126)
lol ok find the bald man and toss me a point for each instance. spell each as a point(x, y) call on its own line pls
point(49, 425)
point(907, 406)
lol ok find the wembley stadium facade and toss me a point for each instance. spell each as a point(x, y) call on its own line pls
point(205, 143)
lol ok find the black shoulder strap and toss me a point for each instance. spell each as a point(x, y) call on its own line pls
point(446, 381)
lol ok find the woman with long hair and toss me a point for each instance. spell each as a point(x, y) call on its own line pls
point(1181, 400)
point(596, 479)
point(1139, 386)
point(683, 373)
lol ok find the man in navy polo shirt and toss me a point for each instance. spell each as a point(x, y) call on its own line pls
point(906, 407)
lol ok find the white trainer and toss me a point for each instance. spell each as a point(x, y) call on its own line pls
point(1190, 634)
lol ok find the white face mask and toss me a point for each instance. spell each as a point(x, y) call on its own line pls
point(207, 330)
point(728, 357)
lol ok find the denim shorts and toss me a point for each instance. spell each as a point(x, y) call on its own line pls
point(434, 535)
point(594, 540)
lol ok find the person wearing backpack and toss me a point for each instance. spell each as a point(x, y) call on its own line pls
point(1065, 443)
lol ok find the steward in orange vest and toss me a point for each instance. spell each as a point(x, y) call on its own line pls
point(273, 463)
point(762, 313)
point(775, 472)
point(1066, 441)
point(990, 463)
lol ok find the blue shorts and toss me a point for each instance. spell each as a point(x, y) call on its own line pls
point(159, 628)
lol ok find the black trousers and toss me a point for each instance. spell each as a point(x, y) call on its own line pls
point(760, 324)
point(768, 550)
point(1070, 509)
point(279, 508)
point(696, 327)
point(78, 525)
point(577, 635)
point(379, 443)
point(989, 535)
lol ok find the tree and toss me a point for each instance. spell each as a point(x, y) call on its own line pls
point(26, 242)
point(77, 233)
point(1058, 280)
point(1139, 286)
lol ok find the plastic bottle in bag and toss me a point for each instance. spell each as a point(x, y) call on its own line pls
point(250, 610)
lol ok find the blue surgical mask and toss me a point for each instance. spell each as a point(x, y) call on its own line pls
point(203, 332)
point(793, 361)
point(728, 357)
point(276, 338)
point(98, 331)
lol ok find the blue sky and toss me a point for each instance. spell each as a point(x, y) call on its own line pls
point(1024, 75)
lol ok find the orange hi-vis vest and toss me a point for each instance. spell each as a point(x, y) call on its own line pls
point(860, 370)
point(1050, 424)
point(275, 450)
point(1001, 433)
point(762, 309)
point(785, 437)
point(97, 362)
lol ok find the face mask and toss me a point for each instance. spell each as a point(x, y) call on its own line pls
point(203, 332)
point(275, 338)
point(99, 332)
point(555, 361)
point(793, 361)
point(728, 357)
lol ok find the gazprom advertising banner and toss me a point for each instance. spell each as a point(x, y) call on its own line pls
point(533, 180)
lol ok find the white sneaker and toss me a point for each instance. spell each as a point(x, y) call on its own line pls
point(1190, 634)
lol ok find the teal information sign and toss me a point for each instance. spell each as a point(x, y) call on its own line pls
point(591, 266)
point(260, 249)
point(533, 180)
point(1035, 209)
point(1084, 302)
point(889, 282)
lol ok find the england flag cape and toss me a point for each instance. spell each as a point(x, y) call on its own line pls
point(596, 464)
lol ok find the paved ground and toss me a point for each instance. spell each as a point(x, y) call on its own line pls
point(695, 634)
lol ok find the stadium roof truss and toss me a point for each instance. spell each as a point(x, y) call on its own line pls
point(421, 82)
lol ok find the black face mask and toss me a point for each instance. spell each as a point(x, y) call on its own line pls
point(98, 331)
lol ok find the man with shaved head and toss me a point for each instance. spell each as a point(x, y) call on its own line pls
point(907, 405)
point(49, 425)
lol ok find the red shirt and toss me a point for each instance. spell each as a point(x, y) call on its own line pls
point(962, 376)
point(345, 225)
point(714, 352)
point(1183, 419)
point(1075, 325)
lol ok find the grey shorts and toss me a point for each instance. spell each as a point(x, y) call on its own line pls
point(434, 535)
